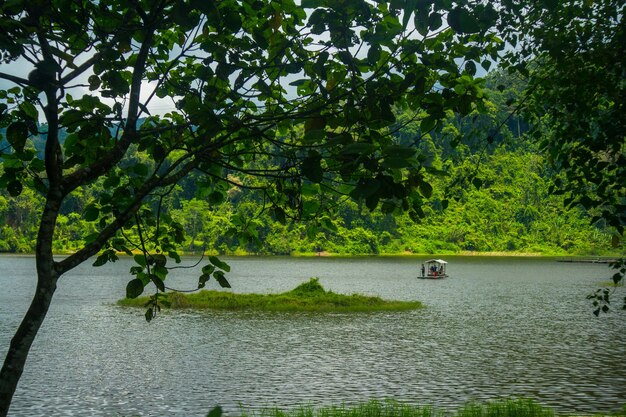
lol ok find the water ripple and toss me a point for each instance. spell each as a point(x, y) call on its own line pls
point(495, 329)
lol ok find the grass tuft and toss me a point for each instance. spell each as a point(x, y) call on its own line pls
point(508, 408)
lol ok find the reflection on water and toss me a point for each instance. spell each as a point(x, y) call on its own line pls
point(497, 328)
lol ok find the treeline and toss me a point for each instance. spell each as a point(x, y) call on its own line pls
point(509, 211)
point(490, 193)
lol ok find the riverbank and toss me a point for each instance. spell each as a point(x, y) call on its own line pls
point(309, 296)
point(603, 258)
point(561, 255)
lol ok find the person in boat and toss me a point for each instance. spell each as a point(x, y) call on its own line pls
point(423, 270)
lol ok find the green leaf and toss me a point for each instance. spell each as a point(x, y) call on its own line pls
point(312, 169)
point(426, 189)
point(160, 271)
point(428, 124)
point(396, 162)
point(314, 135)
point(279, 215)
point(141, 169)
point(91, 237)
point(149, 314)
point(310, 190)
point(399, 151)
point(37, 165)
point(216, 197)
point(230, 19)
point(310, 208)
point(160, 260)
point(158, 282)
point(371, 202)
point(218, 263)
point(221, 279)
point(359, 148)
point(30, 111)
point(101, 260)
point(140, 259)
point(26, 155)
point(434, 21)
point(208, 269)
point(203, 279)
point(462, 21)
point(15, 188)
point(328, 224)
point(617, 277)
point(134, 288)
point(299, 82)
point(159, 153)
point(91, 213)
point(17, 133)
point(175, 256)
point(373, 54)
point(470, 67)
point(94, 82)
point(216, 411)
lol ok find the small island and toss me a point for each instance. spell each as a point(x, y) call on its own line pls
point(308, 296)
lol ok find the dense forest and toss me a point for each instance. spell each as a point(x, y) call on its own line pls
point(492, 194)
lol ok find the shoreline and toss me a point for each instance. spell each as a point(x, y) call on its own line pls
point(563, 257)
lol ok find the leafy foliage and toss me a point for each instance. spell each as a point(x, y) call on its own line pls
point(298, 102)
point(575, 64)
point(225, 67)
point(295, 99)
point(511, 210)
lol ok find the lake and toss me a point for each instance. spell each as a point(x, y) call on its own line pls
point(497, 328)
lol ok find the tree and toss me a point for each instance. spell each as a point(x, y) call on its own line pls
point(574, 56)
point(293, 100)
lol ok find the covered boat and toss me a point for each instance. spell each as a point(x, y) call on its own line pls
point(434, 269)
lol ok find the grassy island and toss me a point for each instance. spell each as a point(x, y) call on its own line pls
point(309, 296)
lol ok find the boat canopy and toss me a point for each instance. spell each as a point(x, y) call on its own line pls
point(436, 261)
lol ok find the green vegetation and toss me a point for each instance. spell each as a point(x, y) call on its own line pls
point(272, 96)
point(486, 198)
point(507, 408)
point(306, 105)
point(309, 296)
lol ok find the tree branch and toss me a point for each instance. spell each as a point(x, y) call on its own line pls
point(15, 79)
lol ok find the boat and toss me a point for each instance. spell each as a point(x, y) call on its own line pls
point(433, 269)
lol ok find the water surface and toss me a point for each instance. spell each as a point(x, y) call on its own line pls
point(497, 328)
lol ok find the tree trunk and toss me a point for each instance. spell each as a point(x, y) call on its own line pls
point(23, 339)
point(47, 277)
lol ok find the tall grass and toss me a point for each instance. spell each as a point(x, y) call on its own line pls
point(508, 408)
point(375, 408)
point(372, 408)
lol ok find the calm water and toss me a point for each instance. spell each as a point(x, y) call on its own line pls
point(498, 328)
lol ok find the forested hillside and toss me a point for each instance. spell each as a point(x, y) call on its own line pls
point(491, 195)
